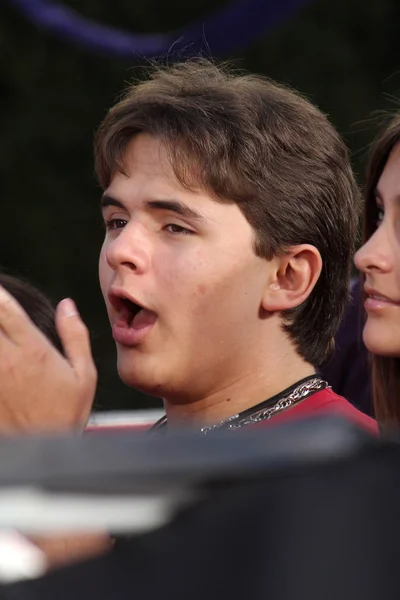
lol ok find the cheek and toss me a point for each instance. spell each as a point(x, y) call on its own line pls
point(104, 271)
point(193, 291)
point(210, 287)
point(219, 300)
point(184, 277)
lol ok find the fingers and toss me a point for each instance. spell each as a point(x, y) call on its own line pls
point(61, 551)
point(14, 322)
point(75, 339)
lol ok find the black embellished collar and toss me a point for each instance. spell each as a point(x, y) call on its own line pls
point(264, 410)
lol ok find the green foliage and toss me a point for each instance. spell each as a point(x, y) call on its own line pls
point(343, 55)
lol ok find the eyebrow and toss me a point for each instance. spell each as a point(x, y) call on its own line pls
point(174, 206)
point(107, 200)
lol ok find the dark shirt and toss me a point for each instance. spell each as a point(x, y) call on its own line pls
point(348, 372)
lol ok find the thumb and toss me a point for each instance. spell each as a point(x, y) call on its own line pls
point(75, 339)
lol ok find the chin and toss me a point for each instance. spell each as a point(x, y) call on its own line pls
point(381, 340)
point(141, 379)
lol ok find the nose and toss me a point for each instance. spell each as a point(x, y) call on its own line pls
point(375, 254)
point(129, 249)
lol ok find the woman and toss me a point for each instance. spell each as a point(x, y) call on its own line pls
point(379, 261)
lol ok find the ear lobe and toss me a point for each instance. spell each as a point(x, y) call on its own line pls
point(294, 277)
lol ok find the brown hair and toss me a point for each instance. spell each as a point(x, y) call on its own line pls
point(37, 306)
point(245, 139)
point(385, 370)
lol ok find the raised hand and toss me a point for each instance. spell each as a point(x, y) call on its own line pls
point(41, 390)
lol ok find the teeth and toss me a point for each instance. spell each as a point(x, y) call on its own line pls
point(379, 298)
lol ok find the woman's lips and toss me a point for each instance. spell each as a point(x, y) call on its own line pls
point(378, 302)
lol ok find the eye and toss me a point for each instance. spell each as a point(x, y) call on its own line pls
point(380, 214)
point(178, 229)
point(113, 224)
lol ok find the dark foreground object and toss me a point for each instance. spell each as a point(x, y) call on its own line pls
point(305, 511)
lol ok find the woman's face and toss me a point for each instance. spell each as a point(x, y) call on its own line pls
point(379, 261)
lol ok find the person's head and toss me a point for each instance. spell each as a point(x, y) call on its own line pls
point(379, 261)
point(37, 306)
point(231, 210)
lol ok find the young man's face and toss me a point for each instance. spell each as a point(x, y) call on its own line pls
point(189, 261)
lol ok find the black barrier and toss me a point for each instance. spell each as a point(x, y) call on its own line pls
point(307, 510)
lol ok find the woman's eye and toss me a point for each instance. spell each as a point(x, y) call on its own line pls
point(380, 215)
point(115, 224)
point(178, 229)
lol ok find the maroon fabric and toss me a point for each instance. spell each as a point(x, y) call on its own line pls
point(325, 401)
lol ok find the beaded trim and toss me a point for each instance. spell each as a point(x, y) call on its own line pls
point(301, 392)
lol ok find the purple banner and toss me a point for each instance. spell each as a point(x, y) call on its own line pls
point(223, 33)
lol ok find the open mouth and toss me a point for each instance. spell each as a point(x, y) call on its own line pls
point(131, 315)
point(129, 310)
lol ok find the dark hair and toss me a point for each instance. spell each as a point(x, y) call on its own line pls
point(37, 306)
point(245, 139)
point(385, 370)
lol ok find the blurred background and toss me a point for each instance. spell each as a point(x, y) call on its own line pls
point(64, 63)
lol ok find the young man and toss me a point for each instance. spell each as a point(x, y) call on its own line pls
point(231, 212)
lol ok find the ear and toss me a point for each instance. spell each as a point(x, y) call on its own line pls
point(293, 278)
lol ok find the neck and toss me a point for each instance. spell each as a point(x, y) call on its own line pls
point(253, 386)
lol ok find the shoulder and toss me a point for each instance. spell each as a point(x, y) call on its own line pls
point(327, 401)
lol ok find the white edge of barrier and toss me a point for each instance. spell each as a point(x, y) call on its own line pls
point(131, 418)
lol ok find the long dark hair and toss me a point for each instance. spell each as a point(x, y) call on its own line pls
point(385, 370)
